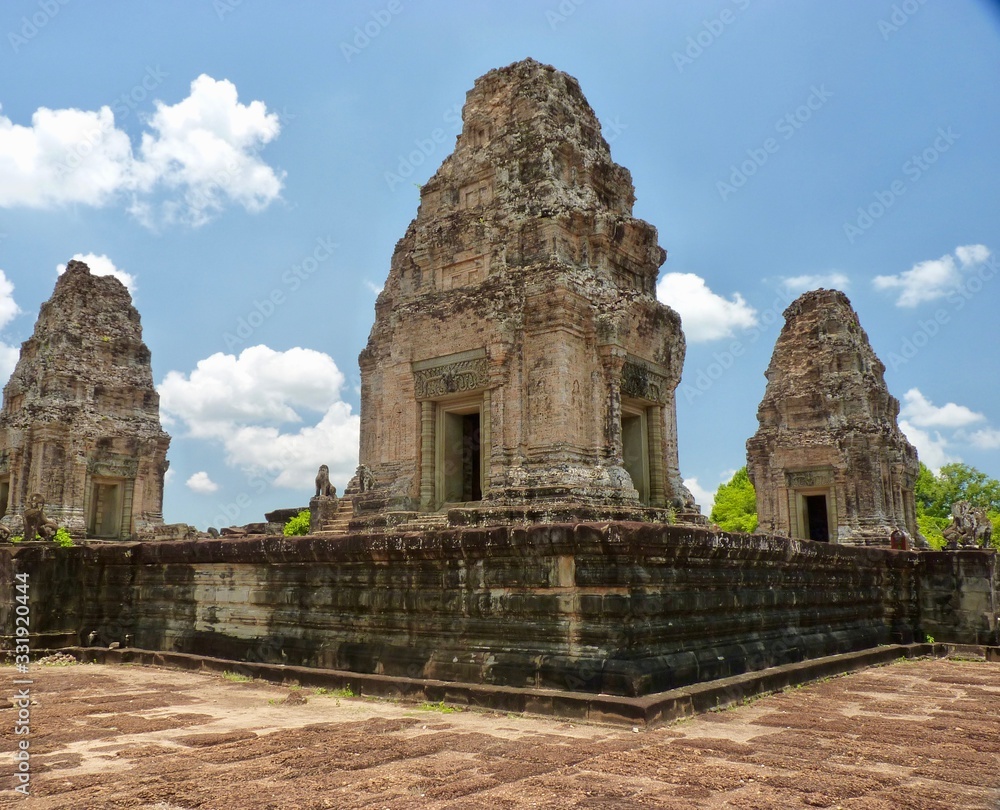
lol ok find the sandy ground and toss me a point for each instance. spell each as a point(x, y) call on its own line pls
point(917, 734)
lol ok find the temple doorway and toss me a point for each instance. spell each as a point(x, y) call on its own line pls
point(460, 453)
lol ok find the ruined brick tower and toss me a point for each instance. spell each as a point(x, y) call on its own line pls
point(80, 421)
point(829, 461)
point(519, 355)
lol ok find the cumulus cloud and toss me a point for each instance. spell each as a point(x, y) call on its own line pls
point(102, 266)
point(8, 306)
point(800, 284)
point(205, 147)
point(987, 438)
point(932, 449)
point(934, 278)
point(247, 404)
point(920, 411)
point(64, 157)
point(195, 157)
point(704, 498)
point(704, 314)
point(8, 311)
point(201, 483)
point(936, 430)
point(8, 360)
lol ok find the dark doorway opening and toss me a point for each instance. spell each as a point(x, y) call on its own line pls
point(816, 518)
point(472, 489)
point(460, 455)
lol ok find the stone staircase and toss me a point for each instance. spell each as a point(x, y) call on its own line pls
point(341, 521)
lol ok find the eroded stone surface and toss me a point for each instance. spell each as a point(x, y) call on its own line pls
point(80, 422)
point(829, 461)
point(519, 355)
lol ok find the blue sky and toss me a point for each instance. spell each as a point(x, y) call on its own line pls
point(250, 166)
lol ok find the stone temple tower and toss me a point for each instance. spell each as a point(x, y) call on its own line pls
point(829, 461)
point(519, 356)
point(80, 422)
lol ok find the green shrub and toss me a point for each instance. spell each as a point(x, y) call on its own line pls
point(63, 538)
point(17, 538)
point(297, 525)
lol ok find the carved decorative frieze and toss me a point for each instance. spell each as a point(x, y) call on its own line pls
point(641, 382)
point(105, 467)
point(809, 478)
point(451, 377)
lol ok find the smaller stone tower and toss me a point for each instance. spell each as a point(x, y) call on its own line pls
point(80, 422)
point(829, 461)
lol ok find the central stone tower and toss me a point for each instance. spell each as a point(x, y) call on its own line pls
point(519, 358)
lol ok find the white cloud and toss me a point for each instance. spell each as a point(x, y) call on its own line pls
point(972, 254)
point(704, 498)
point(8, 360)
point(206, 147)
point(800, 284)
point(246, 403)
point(8, 306)
point(196, 157)
point(64, 157)
point(934, 278)
point(704, 315)
point(201, 483)
point(932, 450)
point(921, 412)
point(373, 287)
point(987, 438)
point(102, 266)
point(169, 475)
point(8, 311)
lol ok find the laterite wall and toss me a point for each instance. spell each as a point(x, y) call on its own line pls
point(620, 608)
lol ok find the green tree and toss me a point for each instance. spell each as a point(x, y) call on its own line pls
point(934, 495)
point(735, 508)
point(297, 525)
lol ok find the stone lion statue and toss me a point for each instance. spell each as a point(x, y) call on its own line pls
point(35, 522)
point(366, 479)
point(324, 489)
point(969, 526)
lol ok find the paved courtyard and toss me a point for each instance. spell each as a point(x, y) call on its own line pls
point(920, 735)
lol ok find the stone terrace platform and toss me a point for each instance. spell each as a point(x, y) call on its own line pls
point(621, 609)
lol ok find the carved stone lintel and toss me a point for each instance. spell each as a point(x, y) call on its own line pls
point(809, 478)
point(457, 374)
point(113, 467)
point(641, 382)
